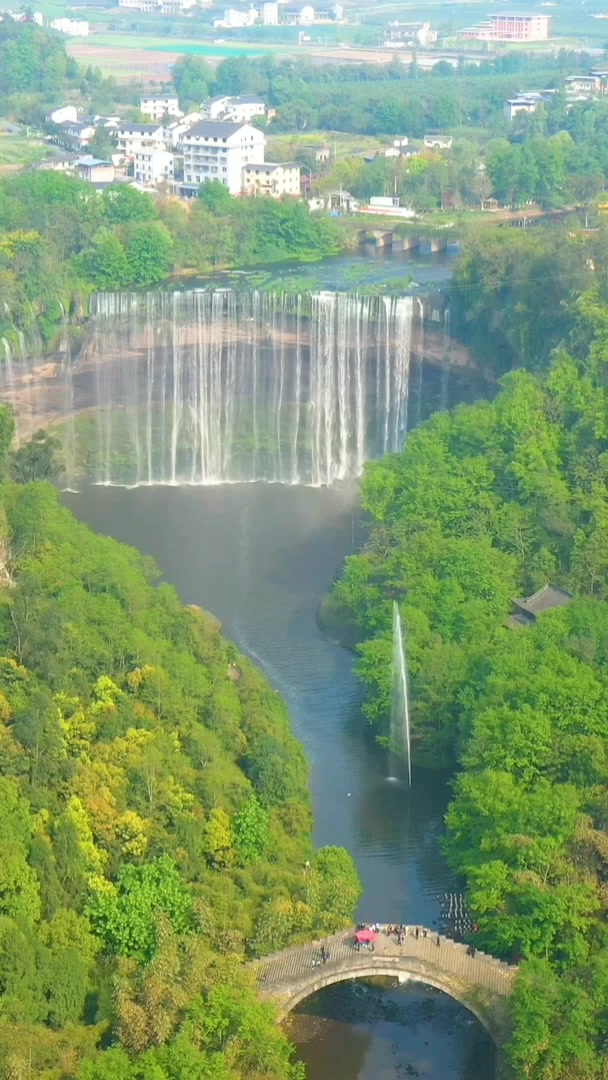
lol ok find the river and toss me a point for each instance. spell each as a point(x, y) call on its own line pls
point(260, 557)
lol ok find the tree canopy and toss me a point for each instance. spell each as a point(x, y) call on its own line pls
point(156, 818)
point(487, 503)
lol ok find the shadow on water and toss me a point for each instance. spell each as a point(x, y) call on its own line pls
point(387, 1031)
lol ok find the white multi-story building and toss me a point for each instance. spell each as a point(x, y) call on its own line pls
point(76, 133)
point(270, 14)
point(71, 27)
point(216, 108)
point(175, 130)
point(526, 103)
point(219, 150)
point(238, 110)
point(299, 13)
point(154, 166)
point(234, 18)
point(132, 138)
point(63, 113)
point(272, 178)
point(158, 105)
point(242, 110)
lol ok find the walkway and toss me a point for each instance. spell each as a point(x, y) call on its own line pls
point(480, 982)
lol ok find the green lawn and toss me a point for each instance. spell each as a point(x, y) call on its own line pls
point(168, 44)
point(192, 48)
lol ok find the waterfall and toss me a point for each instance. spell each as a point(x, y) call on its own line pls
point(218, 386)
point(400, 743)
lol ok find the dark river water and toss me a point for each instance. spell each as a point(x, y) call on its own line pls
point(260, 558)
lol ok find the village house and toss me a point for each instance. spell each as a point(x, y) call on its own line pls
point(438, 142)
point(132, 138)
point(154, 166)
point(95, 170)
point(526, 610)
point(220, 150)
point(156, 106)
point(272, 178)
point(74, 134)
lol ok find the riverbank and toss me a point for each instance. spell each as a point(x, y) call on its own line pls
point(125, 239)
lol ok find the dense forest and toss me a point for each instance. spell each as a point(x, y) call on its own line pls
point(156, 819)
point(486, 503)
point(60, 240)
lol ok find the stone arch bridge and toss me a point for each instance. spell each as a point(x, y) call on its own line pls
point(481, 983)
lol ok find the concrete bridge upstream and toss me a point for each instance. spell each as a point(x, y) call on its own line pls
point(480, 982)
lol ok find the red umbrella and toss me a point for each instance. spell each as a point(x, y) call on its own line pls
point(365, 935)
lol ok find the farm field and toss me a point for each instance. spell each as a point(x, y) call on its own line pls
point(17, 152)
point(136, 56)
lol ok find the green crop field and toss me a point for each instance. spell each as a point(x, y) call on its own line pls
point(17, 152)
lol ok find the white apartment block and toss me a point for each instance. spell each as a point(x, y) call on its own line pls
point(63, 113)
point(270, 14)
point(242, 110)
point(154, 166)
point(272, 178)
point(158, 105)
point(219, 150)
point(238, 110)
point(234, 19)
point(177, 128)
point(71, 27)
point(133, 138)
point(216, 108)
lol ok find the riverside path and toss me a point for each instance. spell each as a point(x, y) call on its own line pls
point(480, 982)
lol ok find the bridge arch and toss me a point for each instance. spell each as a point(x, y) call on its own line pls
point(480, 983)
point(403, 973)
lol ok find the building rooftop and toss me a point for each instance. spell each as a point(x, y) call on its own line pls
point(143, 129)
point(91, 162)
point(74, 125)
point(270, 166)
point(545, 599)
point(247, 99)
point(218, 129)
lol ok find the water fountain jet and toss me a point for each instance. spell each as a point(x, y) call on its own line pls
point(400, 742)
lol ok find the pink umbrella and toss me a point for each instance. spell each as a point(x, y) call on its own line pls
point(365, 935)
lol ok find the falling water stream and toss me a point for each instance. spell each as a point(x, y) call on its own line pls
point(218, 386)
point(400, 748)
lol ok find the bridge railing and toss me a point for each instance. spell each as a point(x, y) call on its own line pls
point(427, 947)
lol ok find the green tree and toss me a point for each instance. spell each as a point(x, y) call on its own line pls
point(149, 252)
point(125, 917)
point(106, 261)
point(122, 205)
point(215, 198)
point(335, 888)
point(37, 459)
point(193, 78)
point(251, 831)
